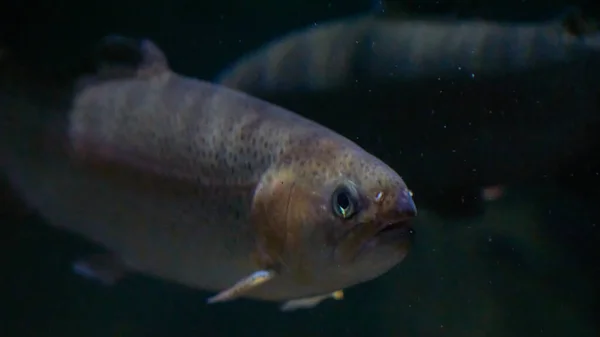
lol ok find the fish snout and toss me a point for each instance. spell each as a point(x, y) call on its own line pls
point(398, 211)
point(405, 205)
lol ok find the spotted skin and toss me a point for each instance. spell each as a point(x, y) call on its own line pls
point(203, 185)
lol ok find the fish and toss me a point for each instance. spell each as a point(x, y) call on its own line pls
point(458, 105)
point(371, 48)
point(192, 182)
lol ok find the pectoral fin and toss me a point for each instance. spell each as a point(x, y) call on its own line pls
point(310, 302)
point(243, 286)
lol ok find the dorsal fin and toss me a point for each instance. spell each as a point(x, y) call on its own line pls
point(119, 57)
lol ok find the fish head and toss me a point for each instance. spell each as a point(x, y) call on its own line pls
point(334, 215)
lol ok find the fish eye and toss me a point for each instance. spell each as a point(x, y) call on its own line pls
point(345, 202)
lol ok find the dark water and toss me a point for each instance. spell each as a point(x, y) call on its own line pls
point(524, 265)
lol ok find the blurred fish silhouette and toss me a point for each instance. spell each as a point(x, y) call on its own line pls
point(197, 183)
point(451, 102)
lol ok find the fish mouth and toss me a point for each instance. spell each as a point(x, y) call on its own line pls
point(366, 236)
point(398, 234)
point(394, 231)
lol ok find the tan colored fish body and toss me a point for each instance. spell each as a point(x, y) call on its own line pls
point(203, 185)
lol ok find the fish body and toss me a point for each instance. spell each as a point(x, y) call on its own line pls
point(370, 49)
point(200, 184)
point(452, 103)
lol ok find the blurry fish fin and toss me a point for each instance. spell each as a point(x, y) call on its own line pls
point(105, 268)
point(244, 285)
point(121, 57)
point(574, 22)
point(310, 302)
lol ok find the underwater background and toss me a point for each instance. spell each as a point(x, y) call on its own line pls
point(524, 264)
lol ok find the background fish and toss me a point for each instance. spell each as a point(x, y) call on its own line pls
point(199, 184)
point(456, 103)
point(369, 49)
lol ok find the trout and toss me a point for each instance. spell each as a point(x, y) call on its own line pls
point(371, 49)
point(199, 184)
point(459, 104)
